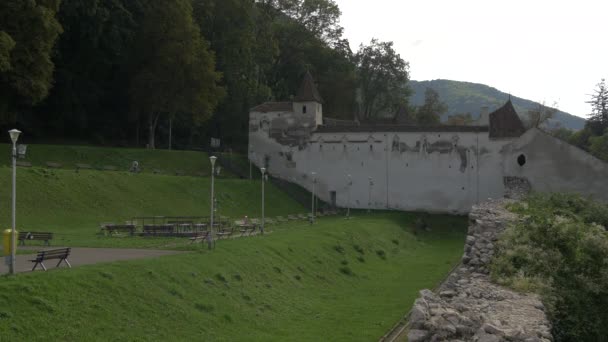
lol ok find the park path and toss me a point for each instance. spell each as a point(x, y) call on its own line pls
point(86, 256)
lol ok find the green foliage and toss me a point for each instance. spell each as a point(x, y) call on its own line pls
point(7, 44)
point(433, 108)
point(174, 68)
point(560, 250)
point(383, 77)
point(599, 108)
point(33, 29)
point(599, 146)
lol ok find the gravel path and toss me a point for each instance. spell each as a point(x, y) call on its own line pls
point(86, 256)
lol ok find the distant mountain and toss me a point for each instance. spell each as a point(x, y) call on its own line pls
point(466, 97)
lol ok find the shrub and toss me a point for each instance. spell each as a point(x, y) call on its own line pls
point(359, 249)
point(339, 249)
point(381, 254)
point(346, 270)
point(560, 250)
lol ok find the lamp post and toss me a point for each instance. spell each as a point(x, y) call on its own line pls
point(350, 184)
point(312, 211)
point(369, 201)
point(210, 239)
point(14, 133)
point(263, 170)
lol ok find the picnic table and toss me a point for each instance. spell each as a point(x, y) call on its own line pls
point(111, 228)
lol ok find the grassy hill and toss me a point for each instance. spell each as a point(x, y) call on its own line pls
point(168, 162)
point(72, 204)
point(340, 280)
point(463, 97)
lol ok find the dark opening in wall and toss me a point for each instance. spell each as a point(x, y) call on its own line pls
point(303, 109)
point(371, 147)
point(521, 160)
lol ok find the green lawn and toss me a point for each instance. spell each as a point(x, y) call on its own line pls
point(72, 204)
point(339, 280)
point(168, 162)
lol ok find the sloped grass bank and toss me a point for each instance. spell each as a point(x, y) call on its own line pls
point(73, 204)
point(339, 280)
point(168, 162)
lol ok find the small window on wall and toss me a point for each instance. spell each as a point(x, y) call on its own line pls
point(521, 160)
point(303, 109)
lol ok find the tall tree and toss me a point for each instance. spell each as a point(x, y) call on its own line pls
point(174, 68)
point(431, 110)
point(33, 28)
point(319, 17)
point(598, 119)
point(7, 44)
point(540, 114)
point(383, 77)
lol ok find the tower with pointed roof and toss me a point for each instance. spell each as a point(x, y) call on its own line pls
point(308, 101)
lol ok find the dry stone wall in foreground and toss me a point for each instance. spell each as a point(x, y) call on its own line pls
point(468, 306)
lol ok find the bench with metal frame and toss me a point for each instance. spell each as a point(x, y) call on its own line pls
point(60, 253)
point(41, 236)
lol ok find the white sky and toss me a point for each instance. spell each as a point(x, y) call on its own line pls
point(540, 50)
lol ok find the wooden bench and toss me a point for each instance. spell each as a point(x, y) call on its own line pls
point(302, 216)
point(83, 167)
point(23, 163)
point(281, 219)
point(224, 233)
point(118, 228)
point(247, 229)
point(292, 218)
point(41, 236)
point(53, 165)
point(109, 168)
point(60, 253)
point(202, 236)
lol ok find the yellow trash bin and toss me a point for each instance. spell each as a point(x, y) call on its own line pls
point(6, 241)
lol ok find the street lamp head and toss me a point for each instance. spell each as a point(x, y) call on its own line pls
point(263, 170)
point(212, 159)
point(14, 133)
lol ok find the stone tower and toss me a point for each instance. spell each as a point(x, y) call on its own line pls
point(308, 101)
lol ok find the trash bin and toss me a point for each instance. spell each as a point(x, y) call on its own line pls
point(6, 241)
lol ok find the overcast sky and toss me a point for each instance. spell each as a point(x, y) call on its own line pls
point(541, 50)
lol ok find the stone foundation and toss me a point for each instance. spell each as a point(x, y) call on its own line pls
point(468, 306)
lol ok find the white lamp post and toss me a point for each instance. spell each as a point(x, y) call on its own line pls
point(369, 201)
point(14, 137)
point(350, 184)
point(312, 215)
point(210, 239)
point(263, 170)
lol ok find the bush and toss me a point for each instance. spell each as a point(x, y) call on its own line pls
point(560, 250)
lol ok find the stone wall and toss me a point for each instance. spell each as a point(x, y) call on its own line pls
point(468, 306)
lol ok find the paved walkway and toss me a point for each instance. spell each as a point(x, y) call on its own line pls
point(85, 256)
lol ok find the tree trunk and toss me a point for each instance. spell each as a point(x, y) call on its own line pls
point(170, 132)
point(152, 131)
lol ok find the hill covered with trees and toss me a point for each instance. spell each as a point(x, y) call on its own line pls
point(467, 97)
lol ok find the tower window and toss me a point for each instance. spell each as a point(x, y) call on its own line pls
point(521, 160)
point(303, 109)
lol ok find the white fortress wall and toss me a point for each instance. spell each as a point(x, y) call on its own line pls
point(552, 165)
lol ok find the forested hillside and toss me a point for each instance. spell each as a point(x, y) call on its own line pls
point(175, 73)
point(466, 97)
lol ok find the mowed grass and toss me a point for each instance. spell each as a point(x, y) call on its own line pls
point(73, 204)
point(168, 162)
point(339, 280)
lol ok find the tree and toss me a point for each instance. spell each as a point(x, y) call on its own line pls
point(174, 68)
point(319, 17)
point(7, 44)
point(598, 119)
point(383, 77)
point(29, 33)
point(461, 119)
point(599, 146)
point(541, 114)
point(431, 110)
